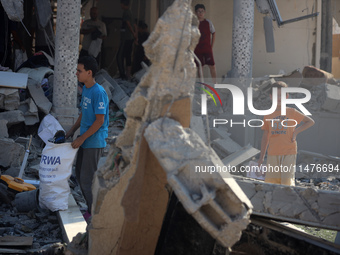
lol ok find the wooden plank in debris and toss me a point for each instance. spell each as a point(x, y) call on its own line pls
point(16, 240)
point(13, 80)
point(71, 220)
point(12, 251)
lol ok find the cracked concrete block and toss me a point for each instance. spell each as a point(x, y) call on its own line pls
point(30, 110)
point(229, 209)
point(37, 74)
point(313, 76)
point(38, 95)
point(225, 147)
point(3, 129)
point(10, 99)
point(331, 98)
point(13, 117)
point(11, 153)
point(197, 125)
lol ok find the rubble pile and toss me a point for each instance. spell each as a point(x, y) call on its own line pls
point(325, 90)
point(42, 226)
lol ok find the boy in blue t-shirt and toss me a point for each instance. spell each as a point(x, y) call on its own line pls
point(93, 122)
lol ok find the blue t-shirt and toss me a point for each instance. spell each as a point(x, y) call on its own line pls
point(94, 101)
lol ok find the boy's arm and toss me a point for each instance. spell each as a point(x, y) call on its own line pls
point(264, 145)
point(307, 123)
point(213, 39)
point(93, 129)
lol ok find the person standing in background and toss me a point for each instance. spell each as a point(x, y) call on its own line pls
point(127, 36)
point(92, 29)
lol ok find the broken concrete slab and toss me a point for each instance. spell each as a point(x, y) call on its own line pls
point(331, 100)
point(37, 74)
point(229, 209)
point(12, 117)
point(10, 99)
point(225, 147)
point(166, 84)
point(197, 125)
point(3, 128)
point(313, 76)
point(11, 153)
point(13, 80)
point(293, 79)
point(241, 156)
point(38, 95)
point(219, 133)
point(306, 206)
point(30, 110)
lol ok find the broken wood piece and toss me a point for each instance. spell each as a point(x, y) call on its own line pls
point(16, 240)
point(12, 251)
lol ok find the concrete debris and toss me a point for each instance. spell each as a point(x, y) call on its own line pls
point(11, 153)
point(30, 110)
point(13, 80)
point(225, 147)
point(37, 74)
point(323, 87)
point(9, 99)
point(331, 98)
point(165, 89)
point(197, 125)
point(311, 207)
point(38, 96)
point(219, 133)
point(3, 128)
point(12, 117)
point(229, 210)
point(241, 156)
point(313, 76)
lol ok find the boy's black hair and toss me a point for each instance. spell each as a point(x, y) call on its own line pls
point(142, 24)
point(90, 63)
point(279, 85)
point(125, 2)
point(198, 6)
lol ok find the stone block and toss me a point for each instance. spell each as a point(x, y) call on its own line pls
point(12, 117)
point(10, 99)
point(3, 129)
point(331, 98)
point(30, 110)
point(38, 95)
point(225, 147)
point(11, 153)
point(313, 76)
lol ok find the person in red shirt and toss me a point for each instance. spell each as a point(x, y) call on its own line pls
point(204, 47)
